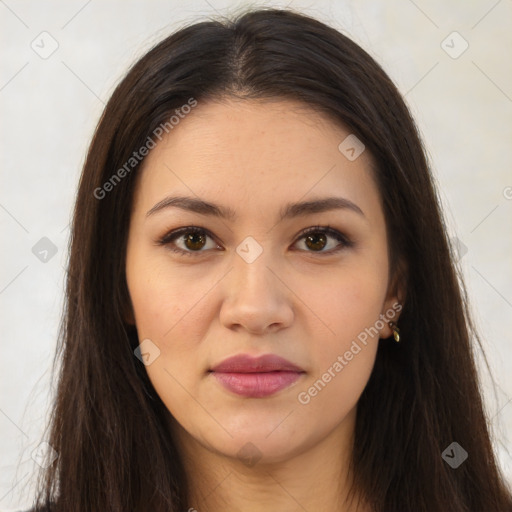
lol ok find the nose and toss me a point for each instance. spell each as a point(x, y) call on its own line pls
point(256, 297)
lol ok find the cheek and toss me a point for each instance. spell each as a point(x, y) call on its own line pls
point(171, 310)
point(349, 307)
point(165, 314)
point(348, 302)
point(161, 299)
point(341, 363)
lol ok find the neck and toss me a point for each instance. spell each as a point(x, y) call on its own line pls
point(317, 478)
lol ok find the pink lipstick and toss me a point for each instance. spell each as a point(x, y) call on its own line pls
point(256, 377)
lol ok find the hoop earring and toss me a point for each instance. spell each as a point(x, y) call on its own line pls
point(396, 331)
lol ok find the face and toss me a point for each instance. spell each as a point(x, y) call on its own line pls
point(300, 304)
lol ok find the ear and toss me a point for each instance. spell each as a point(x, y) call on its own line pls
point(395, 300)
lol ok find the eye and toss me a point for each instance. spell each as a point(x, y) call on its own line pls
point(316, 238)
point(192, 238)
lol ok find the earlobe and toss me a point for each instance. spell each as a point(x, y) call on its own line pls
point(394, 304)
point(389, 318)
point(392, 311)
point(396, 331)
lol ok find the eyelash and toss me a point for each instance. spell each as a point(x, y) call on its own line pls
point(327, 230)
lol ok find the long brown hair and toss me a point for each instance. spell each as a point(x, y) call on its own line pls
point(108, 425)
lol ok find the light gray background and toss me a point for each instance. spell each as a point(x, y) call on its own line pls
point(49, 107)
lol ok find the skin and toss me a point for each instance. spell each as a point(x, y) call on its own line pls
point(304, 305)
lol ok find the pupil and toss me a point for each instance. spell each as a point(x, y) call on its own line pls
point(311, 238)
point(193, 238)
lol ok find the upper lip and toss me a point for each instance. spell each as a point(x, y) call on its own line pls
point(245, 363)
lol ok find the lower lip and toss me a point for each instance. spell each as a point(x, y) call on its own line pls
point(257, 385)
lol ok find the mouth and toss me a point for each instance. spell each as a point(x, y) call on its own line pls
point(256, 377)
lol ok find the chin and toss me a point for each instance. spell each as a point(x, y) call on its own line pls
point(264, 440)
point(256, 449)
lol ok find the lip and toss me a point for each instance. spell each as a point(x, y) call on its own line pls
point(245, 363)
point(256, 377)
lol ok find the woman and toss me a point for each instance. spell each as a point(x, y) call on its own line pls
point(262, 311)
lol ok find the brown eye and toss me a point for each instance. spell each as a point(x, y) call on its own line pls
point(317, 238)
point(194, 241)
point(190, 241)
point(316, 242)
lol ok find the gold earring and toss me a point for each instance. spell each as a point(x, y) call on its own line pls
point(396, 331)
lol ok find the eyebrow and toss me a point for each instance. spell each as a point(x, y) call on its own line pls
point(289, 211)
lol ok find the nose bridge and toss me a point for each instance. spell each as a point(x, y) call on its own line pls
point(254, 296)
point(251, 266)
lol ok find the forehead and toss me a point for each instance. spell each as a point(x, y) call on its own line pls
point(255, 153)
